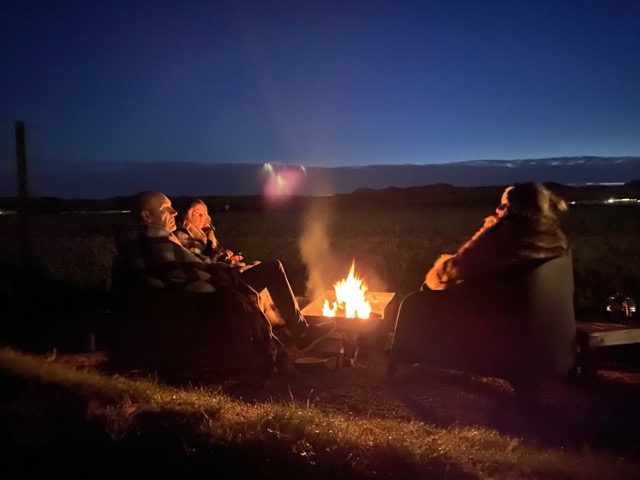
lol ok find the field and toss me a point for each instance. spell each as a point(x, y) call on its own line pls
point(57, 412)
point(394, 246)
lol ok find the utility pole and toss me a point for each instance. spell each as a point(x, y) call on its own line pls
point(23, 194)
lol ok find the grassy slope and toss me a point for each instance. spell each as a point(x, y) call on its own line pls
point(85, 423)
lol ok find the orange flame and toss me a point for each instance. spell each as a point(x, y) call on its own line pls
point(350, 300)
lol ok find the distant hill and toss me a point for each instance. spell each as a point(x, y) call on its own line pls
point(109, 179)
point(426, 195)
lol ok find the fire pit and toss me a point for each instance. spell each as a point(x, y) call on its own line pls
point(355, 310)
point(378, 301)
point(352, 307)
point(341, 350)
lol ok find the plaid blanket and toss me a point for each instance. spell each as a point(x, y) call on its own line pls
point(201, 243)
point(155, 256)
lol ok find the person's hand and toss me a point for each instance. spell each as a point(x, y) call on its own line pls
point(442, 258)
point(208, 228)
point(490, 221)
point(236, 258)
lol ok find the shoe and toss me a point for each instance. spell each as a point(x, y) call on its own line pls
point(314, 334)
point(284, 365)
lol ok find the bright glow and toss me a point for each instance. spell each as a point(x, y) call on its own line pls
point(281, 181)
point(622, 200)
point(350, 300)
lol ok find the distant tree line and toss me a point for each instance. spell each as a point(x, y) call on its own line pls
point(428, 195)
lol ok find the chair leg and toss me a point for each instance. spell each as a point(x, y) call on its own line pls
point(392, 367)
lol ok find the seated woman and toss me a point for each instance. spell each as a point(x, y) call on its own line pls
point(268, 277)
point(525, 227)
point(197, 234)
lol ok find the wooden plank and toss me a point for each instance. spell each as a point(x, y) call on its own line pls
point(601, 334)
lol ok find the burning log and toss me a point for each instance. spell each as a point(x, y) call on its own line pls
point(350, 304)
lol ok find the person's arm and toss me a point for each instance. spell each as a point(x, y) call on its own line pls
point(436, 278)
point(217, 252)
point(488, 250)
point(210, 232)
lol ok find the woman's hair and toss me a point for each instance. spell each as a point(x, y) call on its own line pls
point(183, 211)
point(532, 198)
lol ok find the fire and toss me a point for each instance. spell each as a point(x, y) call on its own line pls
point(350, 300)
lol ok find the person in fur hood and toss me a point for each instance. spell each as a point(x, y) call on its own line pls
point(525, 227)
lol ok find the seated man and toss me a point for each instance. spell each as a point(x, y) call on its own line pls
point(148, 250)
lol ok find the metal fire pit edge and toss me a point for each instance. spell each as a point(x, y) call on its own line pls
point(378, 301)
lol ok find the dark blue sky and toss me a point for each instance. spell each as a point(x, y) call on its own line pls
point(320, 82)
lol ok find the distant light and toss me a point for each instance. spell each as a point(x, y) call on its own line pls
point(282, 181)
point(95, 212)
point(610, 201)
point(622, 200)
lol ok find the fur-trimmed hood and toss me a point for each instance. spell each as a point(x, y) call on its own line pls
point(500, 244)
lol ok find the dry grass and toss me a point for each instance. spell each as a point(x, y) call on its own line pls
point(90, 422)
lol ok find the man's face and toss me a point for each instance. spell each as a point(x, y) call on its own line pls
point(159, 213)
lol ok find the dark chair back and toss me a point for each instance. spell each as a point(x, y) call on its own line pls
point(519, 325)
point(178, 334)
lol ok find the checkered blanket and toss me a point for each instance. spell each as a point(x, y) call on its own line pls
point(201, 243)
point(155, 256)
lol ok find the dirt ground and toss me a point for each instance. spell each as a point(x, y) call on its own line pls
point(603, 413)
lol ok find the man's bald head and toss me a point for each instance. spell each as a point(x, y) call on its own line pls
point(143, 201)
point(153, 208)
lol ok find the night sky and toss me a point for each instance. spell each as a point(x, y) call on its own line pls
point(325, 83)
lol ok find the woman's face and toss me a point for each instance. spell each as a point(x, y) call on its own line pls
point(198, 215)
point(501, 211)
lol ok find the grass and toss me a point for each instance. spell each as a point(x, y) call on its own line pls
point(89, 424)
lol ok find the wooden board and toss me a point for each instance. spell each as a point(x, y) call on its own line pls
point(603, 334)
